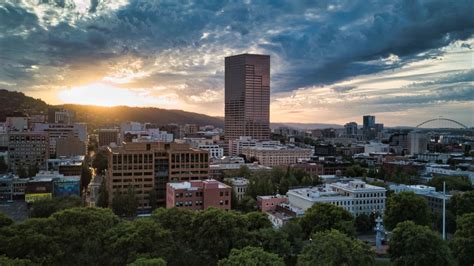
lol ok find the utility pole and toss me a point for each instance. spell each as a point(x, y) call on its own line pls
point(444, 210)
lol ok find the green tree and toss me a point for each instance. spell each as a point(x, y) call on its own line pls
point(406, 206)
point(363, 223)
point(125, 204)
point(81, 234)
point(295, 236)
point(216, 232)
point(46, 207)
point(103, 200)
point(148, 262)
point(463, 241)
point(175, 220)
point(277, 173)
point(284, 186)
point(142, 237)
point(306, 181)
point(275, 241)
point(5, 220)
point(412, 244)
point(34, 239)
point(5, 261)
point(86, 176)
point(460, 183)
point(180, 223)
point(252, 256)
point(248, 204)
point(462, 203)
point(335, 248)
point(100, 162)
point(355, 171)
point(257, 220)
point(325, 216)
point(244, 172)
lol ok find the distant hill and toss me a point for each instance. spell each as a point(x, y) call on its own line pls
point(97, 116)
point(12, 102)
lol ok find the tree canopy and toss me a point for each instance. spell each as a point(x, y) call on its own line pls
point(412, 244)
point(460, 183)
point(335, 248)
point(406, 206)
point(46, 207)
point(463, 241)
point(5, 220)
point(252, 256)
point(324, 216)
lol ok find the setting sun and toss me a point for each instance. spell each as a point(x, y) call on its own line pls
point(104, 94)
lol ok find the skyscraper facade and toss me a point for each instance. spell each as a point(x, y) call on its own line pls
point(247, 96)
point(369, 126)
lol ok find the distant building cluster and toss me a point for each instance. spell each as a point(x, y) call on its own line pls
point(187, 166)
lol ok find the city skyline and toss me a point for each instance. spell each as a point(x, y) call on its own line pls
point(332, 62)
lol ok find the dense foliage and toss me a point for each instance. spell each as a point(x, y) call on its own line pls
point(324, 216)
point(335, 248)
point(269, 182)
point(460, 183)
point(412, 244)
point(406, 206)
point(46, 207)
point(251, 256)
point(463, 242)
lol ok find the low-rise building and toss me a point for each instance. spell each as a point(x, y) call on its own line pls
point(12, 187)
point(67, 166)
point(269, 203)
point(198, 195)
point(215, 151)
point(355, 196)
point(219, 166)
point(278, 155)
point(239, 185)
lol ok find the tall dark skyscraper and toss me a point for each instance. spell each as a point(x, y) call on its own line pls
point(369, 126)
point(247, 96)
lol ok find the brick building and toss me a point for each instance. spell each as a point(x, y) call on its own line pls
point(198, 195)
point(150, 165)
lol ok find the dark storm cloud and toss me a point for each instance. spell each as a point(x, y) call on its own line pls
point(317, 43)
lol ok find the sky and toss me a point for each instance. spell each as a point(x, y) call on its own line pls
point(404, 61)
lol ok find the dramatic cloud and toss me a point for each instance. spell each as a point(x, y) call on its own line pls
point(382, 55)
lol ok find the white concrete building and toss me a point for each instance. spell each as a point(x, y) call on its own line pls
point(355, 196)
point(215, 151)
point(278, 155)
point(375, 147)
point(239, 185)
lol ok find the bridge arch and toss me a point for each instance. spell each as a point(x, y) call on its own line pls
point(443, 119)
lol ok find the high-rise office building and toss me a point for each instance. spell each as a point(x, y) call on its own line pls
point(145, 166)
point(351, 128)
point(247, 96)
point(369, 122)
point(369, 126)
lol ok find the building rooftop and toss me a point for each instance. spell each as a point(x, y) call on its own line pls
point(196, 184)
point(272, 196)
